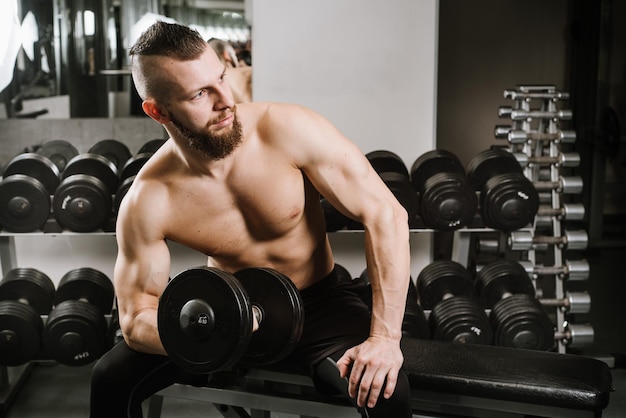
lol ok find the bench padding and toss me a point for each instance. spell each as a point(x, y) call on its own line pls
point(536, 377)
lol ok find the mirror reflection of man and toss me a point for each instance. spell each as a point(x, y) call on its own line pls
point(239, 74)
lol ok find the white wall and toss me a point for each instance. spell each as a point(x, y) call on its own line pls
point(366, 65)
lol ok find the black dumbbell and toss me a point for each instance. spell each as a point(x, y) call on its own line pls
point(113, 150)
point(205, 318)
point(127, 176)
point(29, 181)
point(518, 318)
point(151, 146)
point(447, 289)
point(508, 200)
point(83, 201)
point(414, 322)
point(25, 295)
point(75, 332)
point(59, 151)
point(447, 201)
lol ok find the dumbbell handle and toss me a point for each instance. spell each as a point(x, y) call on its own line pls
point(524, 240)
point(519, 114)
point(567, 185)
point(577, 270)
point(521, 95)
point(565, 159)
point(573, 302)
point(258, 313)
point(569, 211)
point(518, 136)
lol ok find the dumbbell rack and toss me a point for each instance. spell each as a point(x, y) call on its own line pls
point(535, 133)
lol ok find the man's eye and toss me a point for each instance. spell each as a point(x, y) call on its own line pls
point(199, 94)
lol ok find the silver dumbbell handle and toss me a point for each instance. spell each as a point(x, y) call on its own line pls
point(565, 159)
point(572, 239)
point(567, 185)
point(519, 114)
point(569, 211)
point(519, 136)
point(576, 335)
point(574, 302)
point(573, 270)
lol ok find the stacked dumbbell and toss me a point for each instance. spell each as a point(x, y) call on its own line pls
point(29, 180)
point(75, 333)
point(446, 199)
point(131, 167)
point(83, 202)
point(25, 295)
point(205, 318)
point(517, 317)
point(446, 289)
point(508, 199)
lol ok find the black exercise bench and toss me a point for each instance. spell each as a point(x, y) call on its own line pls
point(446, 379)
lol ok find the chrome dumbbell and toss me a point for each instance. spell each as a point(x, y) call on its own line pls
point(520, 114)
point(536, 92)
point(525, 241)
point(519, 136)
point(573, 302)
point(565, 159)
point(566, 185)
point(574, 270)
point(567, 212)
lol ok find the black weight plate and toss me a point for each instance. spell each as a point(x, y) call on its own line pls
point(502, 277)
point(447, 202)
point(151, 146)
point(461, 320)
point(414, 322)
point(24, 204)
point(113, 150)
point(282, 315)
point(93, 165)
point(121, 192)
point(441, 279)
point(521, 322)
point(75, 333)
point(489, 163)
point(20, 333)
point(212, 338)
point(87, 284)
point(30, 286)
point(59, 152)
point(82, 203)
point(133, 165)
point(509, 202)
point(35, 166)
point(433, 162)
point(384, 161)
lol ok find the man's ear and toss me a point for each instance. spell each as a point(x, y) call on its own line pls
point(154, 111)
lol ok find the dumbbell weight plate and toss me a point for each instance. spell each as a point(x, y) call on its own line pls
point(75, 333)
point(121, 192)
point(133, 165)
point(30, 286)
point(520, 322)
point(431, 163)
point(282, 315)
point(401, 188)
point(113, 150)
point(204, 320)
point(89, 285)
point(24, 204)
point(35, 166)
point(59, 152)
point(82, 203)
point(508, 202)
point(500, 278)
point(384, 161)
point(447, 202)
point(20, 333)
point(93, 165)
point(460, 320)
point(443, 278)
point(489, 163)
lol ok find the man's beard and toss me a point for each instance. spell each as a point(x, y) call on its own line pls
point(215, 146)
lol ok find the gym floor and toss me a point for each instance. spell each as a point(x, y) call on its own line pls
point(61, 391)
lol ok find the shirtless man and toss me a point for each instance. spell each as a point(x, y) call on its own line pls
point(241, 183)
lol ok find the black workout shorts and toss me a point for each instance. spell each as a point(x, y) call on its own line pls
point(335, 319)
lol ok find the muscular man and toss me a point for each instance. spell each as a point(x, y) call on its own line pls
point(241, 183)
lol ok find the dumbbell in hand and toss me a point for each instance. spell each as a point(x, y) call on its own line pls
point(447, 288)
point(508, 199)
point(75, 332)
point(205, 318)
point(25, 295)
point(517, 317)
point(29, 181)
